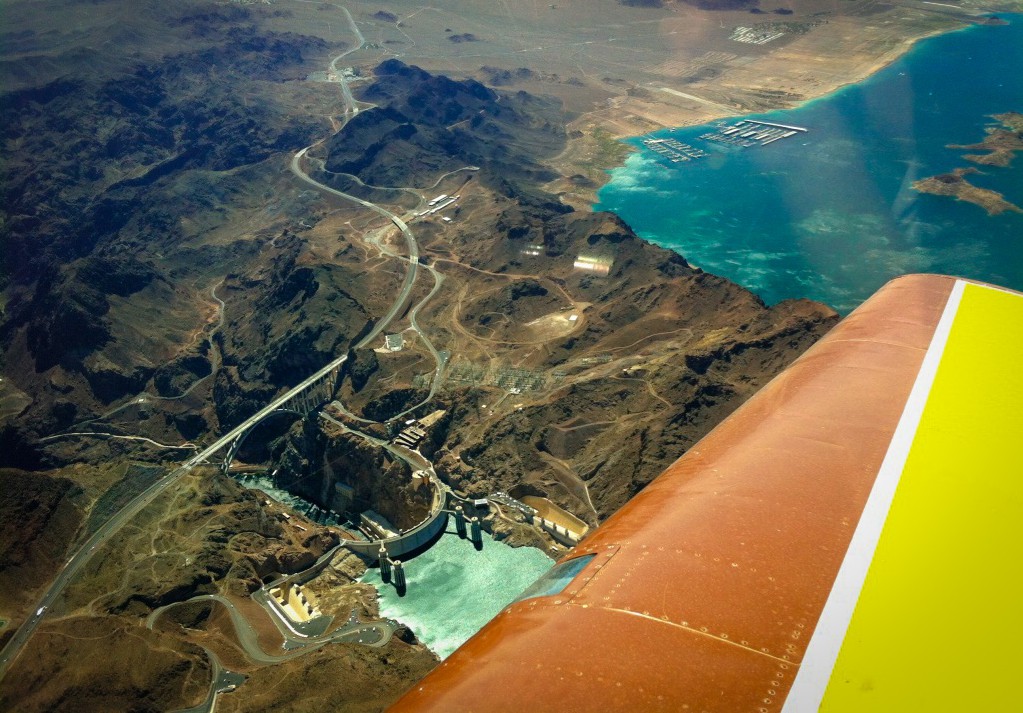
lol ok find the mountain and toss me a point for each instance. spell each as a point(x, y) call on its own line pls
point(165, 275)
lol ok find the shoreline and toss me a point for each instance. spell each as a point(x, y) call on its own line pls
point(830, 221)
point(591, 125)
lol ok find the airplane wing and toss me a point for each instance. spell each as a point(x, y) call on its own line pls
point(850, 539)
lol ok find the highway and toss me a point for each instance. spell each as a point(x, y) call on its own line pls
point(351, 106)
point(103, 434)
point(129, 511)
point(133, 508)
point(112, 526)
point(409, 283)
point(410, 241)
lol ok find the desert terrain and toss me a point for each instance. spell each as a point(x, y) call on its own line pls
point(204, 205)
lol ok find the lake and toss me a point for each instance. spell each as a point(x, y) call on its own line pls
point(830, 214)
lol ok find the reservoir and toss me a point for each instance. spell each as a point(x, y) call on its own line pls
point(453, 589)
point(830, 214)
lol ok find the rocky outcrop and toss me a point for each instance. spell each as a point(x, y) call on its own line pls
point(118, 665)
point(241, 541)
point(238, 398)
point(117, 162)
point(378, 481)
point(361, 365)
point(394, 402)
point(174, 377)
point(666, 352)
point(39, 515)
point(615, 433)
point(428, 124)
point(140, 183)
point(287, 320)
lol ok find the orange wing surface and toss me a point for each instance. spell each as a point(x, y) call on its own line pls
point(848, 540)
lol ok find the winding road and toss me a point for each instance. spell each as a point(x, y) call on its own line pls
point(145, 396)
point(111, 527)
point(375, 633)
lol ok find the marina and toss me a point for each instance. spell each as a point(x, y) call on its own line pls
point(745, 133)
point(834, 220)
point(674, 150)
point(748, 133)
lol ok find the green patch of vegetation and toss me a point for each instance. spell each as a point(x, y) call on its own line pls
point(610, 152)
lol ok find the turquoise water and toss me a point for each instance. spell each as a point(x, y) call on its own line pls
point(453, 590)
point(266, 484)
point(830, 214)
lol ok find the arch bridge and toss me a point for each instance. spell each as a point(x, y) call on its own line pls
point(306, 398)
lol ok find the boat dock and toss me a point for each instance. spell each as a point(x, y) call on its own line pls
point(674, 150)
point(745, 133)
point(749, 132)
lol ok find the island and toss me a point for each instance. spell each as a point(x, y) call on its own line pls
point(1002, 142)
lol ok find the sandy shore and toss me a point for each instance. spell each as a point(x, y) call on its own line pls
point(834, 54)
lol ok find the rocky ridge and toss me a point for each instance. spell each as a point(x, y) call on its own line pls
point(185, 265)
